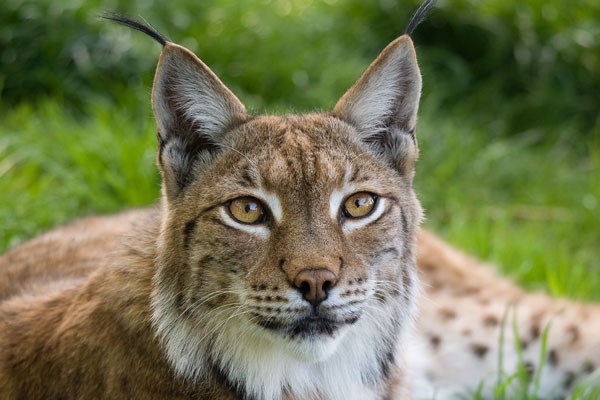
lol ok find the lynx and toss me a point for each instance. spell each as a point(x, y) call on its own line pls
point(285, 261)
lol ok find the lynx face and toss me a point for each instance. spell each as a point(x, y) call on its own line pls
point(295, 229)
point(285, 238)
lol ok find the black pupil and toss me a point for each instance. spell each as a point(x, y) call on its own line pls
point(250, 207)
point(361, 201)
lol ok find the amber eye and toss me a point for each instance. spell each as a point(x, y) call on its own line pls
point(247, 210)
point(359, 204)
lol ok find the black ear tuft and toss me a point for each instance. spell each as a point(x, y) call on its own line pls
point(419, 16)
point(138, 26)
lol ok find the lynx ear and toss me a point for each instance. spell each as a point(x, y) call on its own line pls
point(382, 105)
point(193, 110)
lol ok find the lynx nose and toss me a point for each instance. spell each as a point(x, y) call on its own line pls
point(314, 284)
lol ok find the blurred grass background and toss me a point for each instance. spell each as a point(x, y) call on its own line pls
point(509, 123)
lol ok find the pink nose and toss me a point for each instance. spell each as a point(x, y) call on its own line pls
point(314, 284)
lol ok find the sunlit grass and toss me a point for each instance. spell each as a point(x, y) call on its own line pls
point(532, 208)
point(54, 167)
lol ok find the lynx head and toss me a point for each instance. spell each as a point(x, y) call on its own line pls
point(286, 241)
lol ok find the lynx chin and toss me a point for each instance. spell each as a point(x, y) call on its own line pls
point(284, 261)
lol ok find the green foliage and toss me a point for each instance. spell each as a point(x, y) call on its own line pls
point(62, 49)
point(532, 209)
point(54, 167)
point(543, 54)
point(57, 49)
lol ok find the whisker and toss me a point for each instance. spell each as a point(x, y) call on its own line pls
point(222, 324)
point(196, 305)
point(225, 146)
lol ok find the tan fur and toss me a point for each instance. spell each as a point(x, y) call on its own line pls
point(183, 301)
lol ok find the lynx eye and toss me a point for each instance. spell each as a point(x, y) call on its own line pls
point(359, 204)
point(247, 210)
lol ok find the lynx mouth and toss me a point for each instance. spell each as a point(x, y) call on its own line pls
point(310, 326)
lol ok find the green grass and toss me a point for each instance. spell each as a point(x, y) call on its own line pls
point(54, 167)
point(531, 207)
